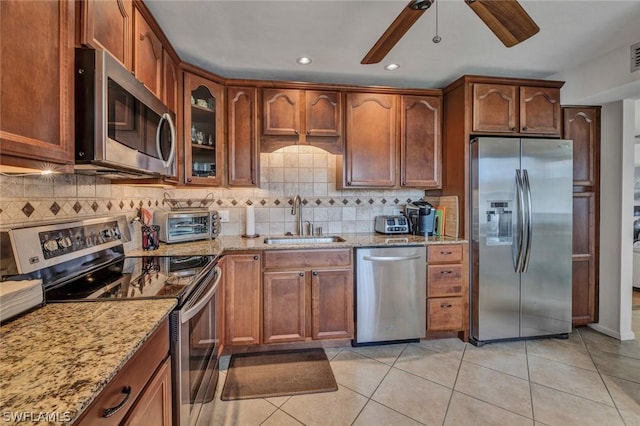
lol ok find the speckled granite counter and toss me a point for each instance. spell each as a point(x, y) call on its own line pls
point(236, 243)
point(54, 361)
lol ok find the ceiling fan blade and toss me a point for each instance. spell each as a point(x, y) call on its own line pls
point(506, 18)
point(396, 30)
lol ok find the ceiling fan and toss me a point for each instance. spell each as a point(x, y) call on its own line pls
point(506, 18)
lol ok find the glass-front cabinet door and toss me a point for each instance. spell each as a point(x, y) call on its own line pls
point(204, 132)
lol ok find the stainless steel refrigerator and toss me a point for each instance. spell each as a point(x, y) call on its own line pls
point(521, 238)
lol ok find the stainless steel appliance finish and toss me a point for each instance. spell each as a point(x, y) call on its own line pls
point(396, 224)
point(521, 234)
point(187, 225)
point(122, 129)
point(391, 286)
point(421, 217)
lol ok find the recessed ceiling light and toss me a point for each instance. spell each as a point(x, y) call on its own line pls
point(303, 60)
point(392, 67)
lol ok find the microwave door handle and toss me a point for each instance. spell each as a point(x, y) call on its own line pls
point(192, 311)
point(172, 130)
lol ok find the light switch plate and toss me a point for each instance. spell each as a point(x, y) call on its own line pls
point(224, 215)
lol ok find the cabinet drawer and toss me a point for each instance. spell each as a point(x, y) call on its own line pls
point(306, 258)
point(444, 314)
point(440, 253)
point(444, 280)
point(136, 373)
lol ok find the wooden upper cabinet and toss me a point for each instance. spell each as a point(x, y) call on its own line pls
point(147, 55)
point(242, 139)
point(540, 111)
point(494, 108)
point(370, 158)
point(582, 125)
point(170, 75)
point(108, 24)
point(36, 84)
point(323, 113)
point(420, 142)
point(280, 112)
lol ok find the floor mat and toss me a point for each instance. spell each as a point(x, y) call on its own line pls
point(278, 373)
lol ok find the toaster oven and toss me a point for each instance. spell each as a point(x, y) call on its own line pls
point(187, 225)
point(392, 224)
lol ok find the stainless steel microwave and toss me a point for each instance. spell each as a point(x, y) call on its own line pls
point(186, 225)
point(122, 128)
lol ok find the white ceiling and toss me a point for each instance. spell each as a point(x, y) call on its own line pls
point(262, 39)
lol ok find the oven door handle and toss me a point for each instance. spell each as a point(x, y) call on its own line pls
point(192, 311)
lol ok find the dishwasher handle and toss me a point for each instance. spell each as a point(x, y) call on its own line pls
point(391, 258)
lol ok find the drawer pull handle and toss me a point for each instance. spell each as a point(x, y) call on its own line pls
point(108, 412)
point(315, 273)
point(255, 258)
point(445, 305)
point(446, 252)
point(446, 272)
point(301, 274)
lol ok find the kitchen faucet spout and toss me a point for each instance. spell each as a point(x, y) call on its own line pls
point(296, 208)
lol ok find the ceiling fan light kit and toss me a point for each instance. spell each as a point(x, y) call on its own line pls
point(507, 19)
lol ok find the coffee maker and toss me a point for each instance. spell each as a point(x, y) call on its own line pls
point(421, 216)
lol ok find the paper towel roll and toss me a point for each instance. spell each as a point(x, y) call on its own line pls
point(250, 216)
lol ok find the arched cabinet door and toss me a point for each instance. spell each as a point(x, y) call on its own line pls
point(494, 108)
point(203, 131)
point(243, 160)
point(540, 112)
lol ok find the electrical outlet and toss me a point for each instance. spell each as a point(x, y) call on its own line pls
point(224, 215)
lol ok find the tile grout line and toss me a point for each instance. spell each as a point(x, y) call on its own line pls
point(526, 355)
point(455, 381)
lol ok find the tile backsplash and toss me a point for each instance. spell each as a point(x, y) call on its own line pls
point(295, 170)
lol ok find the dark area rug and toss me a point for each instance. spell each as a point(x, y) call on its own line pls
point(278, 373)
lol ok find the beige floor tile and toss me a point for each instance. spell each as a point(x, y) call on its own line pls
point(465, 410)
point(553, 408)
point(358, 372)
point(387, 354)
point(566, 378)
point(616, 365)
point(630, 418)
point(506, 391)
point(441, 368)
point(332, 352)
point(328, 408)
point(625, 394)
point(508, 358)
point(278, 401)
point(245, 412)
point(379, 415)
point(557, 350)
point(280, 418)
point(451, 346)
point(420, 399)
point(603, 343)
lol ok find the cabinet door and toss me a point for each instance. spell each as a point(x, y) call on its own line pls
point(371, 140)
point(243, 161)
point(494, 108)
point(332, 304)
point(582, 125)
point(36, 83)
point(242, 299)
point(540, 111)
point(203, 131)
point(147, 55)
point(284, 306)
point(154, 407)
point(280, 112)
point(108, 24)
point(584, 294)
point(170, 82)
point(420, 142)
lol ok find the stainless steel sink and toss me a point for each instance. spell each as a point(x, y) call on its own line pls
point(304, 240)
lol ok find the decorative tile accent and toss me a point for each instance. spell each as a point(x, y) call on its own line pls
point(234, 202)
point(94, 206)
point(277, 202)
point(219, 202)
point(121, 205)
point(28, 209)
point(408, 200)
point(157, 203)
point(305, 202)
point(263, 202)
point(318, 202)
point(249, 202)
point(383, 201)
point(110, 205)
point(140, 204)
point(371, 201)
point(345, 201)
point(77, 207)
point(149, 203)
point(358, 202)
point(332, 201)
point(55, 208)
point(131, 204)
point(396, 201)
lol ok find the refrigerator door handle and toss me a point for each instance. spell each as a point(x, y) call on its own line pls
point(518, 258)
point(529, 227)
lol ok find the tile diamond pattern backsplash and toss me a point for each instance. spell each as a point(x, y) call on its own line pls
point(296, 170)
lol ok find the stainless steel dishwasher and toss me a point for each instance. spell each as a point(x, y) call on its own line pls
point(391, 291)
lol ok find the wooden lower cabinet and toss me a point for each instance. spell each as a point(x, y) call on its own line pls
point(448, 289)
point(284, 306)
point(332, 304)
point(154, 406)
point(584, 258)
point(242, 299)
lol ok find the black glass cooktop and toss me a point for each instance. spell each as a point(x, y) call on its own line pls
point(135, 278)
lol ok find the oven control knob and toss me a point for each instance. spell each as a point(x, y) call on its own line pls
point(65, 242)
point(116, 233)
point(50, 245)
point(107, 233)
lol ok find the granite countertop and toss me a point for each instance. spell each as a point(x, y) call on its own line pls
point(237, 243)
point(55, 360)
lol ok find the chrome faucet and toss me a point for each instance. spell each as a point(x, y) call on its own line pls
point(296, 208)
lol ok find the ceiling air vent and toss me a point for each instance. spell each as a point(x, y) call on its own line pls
point(635, 57)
